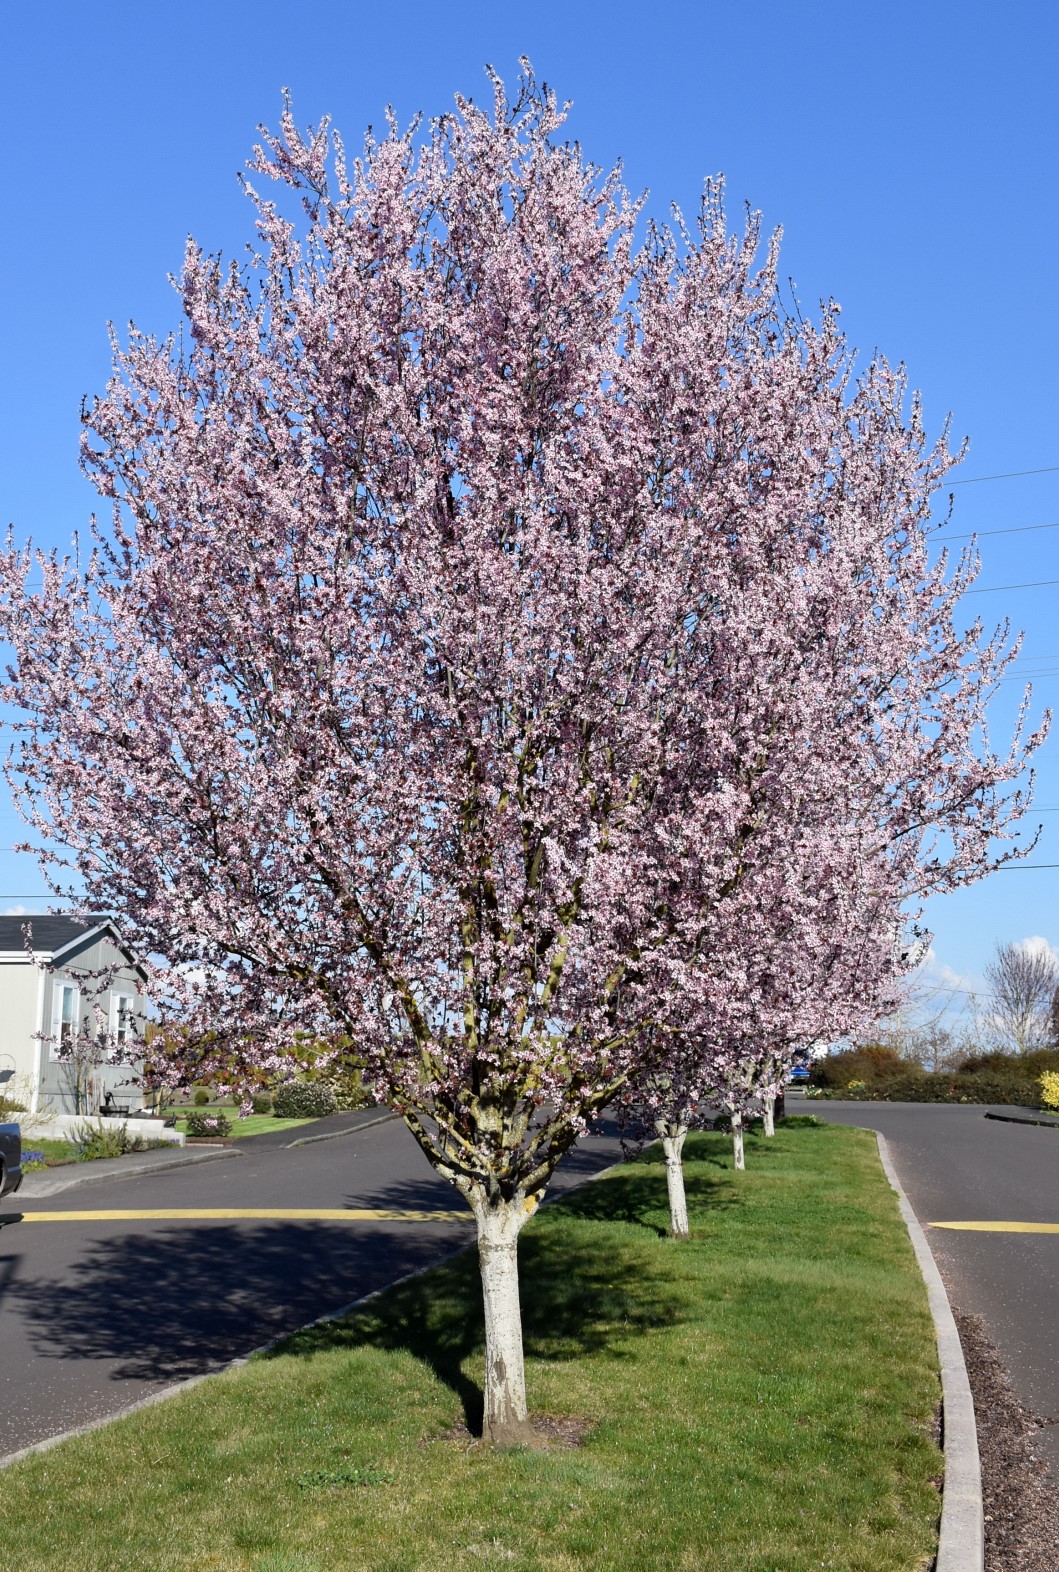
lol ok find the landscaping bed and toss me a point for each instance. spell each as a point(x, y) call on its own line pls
point(253, 1124)
point(39, 1154)
point(759, 1399)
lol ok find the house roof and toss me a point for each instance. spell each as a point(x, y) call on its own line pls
point(50, 933)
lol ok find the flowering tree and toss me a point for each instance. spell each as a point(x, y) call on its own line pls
point(486, 604)
point(814, 959)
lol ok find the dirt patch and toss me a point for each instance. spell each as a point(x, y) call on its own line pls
point(551, 1432)
point(1021, 1503)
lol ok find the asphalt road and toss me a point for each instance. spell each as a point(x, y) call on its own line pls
point(958, 1166)
point(96, 1314)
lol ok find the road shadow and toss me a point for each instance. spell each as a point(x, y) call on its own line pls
point(179, 1300)
point(429, 1192)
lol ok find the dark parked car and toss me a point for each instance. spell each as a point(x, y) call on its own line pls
point(10, 1158)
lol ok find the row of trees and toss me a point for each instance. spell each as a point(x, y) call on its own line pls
point(514, 647)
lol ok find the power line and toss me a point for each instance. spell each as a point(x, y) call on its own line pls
point(1008, 529)
point(1011, 474)
point(994, 589)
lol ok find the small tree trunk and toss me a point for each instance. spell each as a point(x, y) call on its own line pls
point(673, 1144)
point(506, 1419)
point(769, 1106)
point(737, 1140)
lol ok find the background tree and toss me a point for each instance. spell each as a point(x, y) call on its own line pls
point(489, 611)
point(1022, 981)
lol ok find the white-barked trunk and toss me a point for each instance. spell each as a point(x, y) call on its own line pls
point(673, 1136)
point(505, 1419)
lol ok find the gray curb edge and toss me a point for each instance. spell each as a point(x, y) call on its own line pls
point(961, 1542)
point(43, 1191)
point(334, 1135)
point(1042, 1124)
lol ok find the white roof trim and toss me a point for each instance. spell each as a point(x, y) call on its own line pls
point(89, 933)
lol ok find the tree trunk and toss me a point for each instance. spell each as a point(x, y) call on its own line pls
point(505, 1420)
point(737, 1140)
point(769, 1107)
point(672, 1144)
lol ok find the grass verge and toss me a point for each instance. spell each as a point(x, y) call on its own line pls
point(758, 1400)
point(253, 1124)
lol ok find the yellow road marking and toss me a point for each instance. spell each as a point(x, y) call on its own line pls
point(1003, 1228)
point(319, 1214)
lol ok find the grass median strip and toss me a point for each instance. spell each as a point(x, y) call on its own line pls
point(759, 1399)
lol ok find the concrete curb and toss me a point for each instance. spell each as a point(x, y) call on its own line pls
point(335, 1135)
point(35, 1187)
point(1043, 1124)
point(961, 1542)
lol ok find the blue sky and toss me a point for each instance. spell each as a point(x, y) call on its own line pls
point(908, 151)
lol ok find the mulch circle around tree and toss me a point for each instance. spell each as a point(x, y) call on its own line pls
point(1021, 1502)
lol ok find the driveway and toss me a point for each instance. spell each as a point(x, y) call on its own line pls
point(98, 1312)
point(957, 1166)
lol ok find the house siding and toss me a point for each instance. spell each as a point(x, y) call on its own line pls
point(27, 996)
point(19, 1003)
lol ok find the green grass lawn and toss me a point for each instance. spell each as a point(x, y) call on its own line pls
point(253, 1124)
point(757, 1400)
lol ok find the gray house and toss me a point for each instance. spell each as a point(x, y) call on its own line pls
point(71, 995)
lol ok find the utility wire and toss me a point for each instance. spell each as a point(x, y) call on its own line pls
point(1008, 529)
point(1011, 474)
point(994, 589)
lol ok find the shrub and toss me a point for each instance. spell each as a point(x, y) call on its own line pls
point(99, 1140)
point(201, 1097)
point(208, 1124)
point(9, 1106)
point(920, 1086)
point(304, 1100)
point(869, 1064)
point(261, 1103)
point(349, 1090)
point(1050, 1089)
point(1024, 1067)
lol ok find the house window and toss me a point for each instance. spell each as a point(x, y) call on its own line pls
point(66, 998)
point(122, 1017)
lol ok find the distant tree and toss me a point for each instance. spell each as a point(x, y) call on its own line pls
point(494, 611)
point(1023, 979)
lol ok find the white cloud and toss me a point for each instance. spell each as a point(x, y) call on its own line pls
point(1039, 946)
